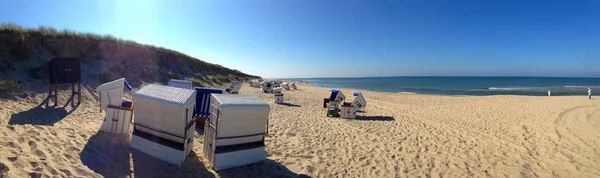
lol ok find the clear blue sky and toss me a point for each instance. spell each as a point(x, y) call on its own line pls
point(315, 38)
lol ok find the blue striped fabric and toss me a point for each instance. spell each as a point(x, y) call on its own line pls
point(203, 100)
point(334, 93)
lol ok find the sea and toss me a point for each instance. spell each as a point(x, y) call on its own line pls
point(474, 86)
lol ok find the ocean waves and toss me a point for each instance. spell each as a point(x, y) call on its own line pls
point(536, 86)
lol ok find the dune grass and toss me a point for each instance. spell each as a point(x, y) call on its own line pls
point(8, 87)
point(26, 43)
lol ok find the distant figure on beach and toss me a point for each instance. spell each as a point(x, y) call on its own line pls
point(589, 93)
point(548, 92)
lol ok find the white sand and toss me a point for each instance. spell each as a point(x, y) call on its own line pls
point(403, 135)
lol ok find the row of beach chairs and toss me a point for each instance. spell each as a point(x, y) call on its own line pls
point(164, 120)
point(337, 107)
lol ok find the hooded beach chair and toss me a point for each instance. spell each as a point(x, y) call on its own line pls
point(333, 102)
point(285, 86)
point(180, 84)
point(235, 134)
point(268, 87)
point(278, 95)
point(348, 110)
point(202, 108)
point(164, 124)
point(118, 112)
point(234, 88)
point(336, 97)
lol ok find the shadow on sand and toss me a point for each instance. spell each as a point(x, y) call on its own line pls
point(107, 154)
point(375, 118)
point(265, 168)
point(145, 165)
point(43, 114)
point(110, 156)
point(289, 105)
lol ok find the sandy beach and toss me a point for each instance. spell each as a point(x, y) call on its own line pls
point(398, 135)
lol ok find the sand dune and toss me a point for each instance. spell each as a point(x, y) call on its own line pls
point(398, 135)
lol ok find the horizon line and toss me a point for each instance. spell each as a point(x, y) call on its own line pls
point(437, 76)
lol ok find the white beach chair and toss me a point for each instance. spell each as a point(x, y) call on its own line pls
point(348, 110)
point(293, 86)
point(164, 127)
point(359, 101)
point(118, 113)
point(268, 87)
point(278, 99)
point(180, 84)
point(277, 90)
point(336, 98)
point(285, 85)
point(111, 93)
point(235, 134)
point(234, 88)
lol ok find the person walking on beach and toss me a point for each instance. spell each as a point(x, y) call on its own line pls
point(589, 93)
point(548, 92)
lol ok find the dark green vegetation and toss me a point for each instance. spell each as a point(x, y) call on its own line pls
point(9, 87)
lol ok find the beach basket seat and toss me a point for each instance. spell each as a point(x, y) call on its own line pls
point(336, 97)
point(164, 127)
point(234, 135)
point(234, 88)
point(285, 86)
point(268, 88)
point(202, 106)
point(333, 102)
point(293, 86)
point(347, 111)
point(359, 101)
point(277, 90)
point(119, 113)
point(180, 84)
point(278, 99)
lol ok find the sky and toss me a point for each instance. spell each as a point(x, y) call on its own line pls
point(346, 38)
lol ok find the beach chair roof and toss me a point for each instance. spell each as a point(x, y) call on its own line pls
point(239, 101)
point(180, 83)
point(166, 94)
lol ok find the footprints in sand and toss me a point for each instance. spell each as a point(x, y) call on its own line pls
point(9, 144)
point(39, 151)
point(32, 145)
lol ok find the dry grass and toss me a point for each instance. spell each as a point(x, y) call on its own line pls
point(9, 87)
point(24, 43)
point(29, 49)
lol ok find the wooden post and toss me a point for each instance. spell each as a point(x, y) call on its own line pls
point(55, 94)
point(79, 93)
point(49, 93)
point(100, 94)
